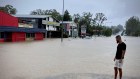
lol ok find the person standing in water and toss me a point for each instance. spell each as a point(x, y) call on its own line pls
point(119, 58)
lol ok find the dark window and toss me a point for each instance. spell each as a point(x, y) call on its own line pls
point(1, 34)
point(48, 18)
point(28, 35)
point(32, 35)
point(44, 35)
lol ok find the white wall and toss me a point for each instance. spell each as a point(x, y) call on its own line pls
point(51, 28)
point(50, 19)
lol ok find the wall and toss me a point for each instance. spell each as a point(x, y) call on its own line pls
point(8, 20)
point(50, 19)
point(1, 40)
point(51, 28)
point(38, 36)
point(18, 36)
point(28, 22)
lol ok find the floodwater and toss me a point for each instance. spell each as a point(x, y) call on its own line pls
point(72, 59)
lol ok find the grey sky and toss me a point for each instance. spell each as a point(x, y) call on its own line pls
point(117, 11)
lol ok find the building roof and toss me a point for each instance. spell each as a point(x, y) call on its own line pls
point(35, 16)
point(32, 16)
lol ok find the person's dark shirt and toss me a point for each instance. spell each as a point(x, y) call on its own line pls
point(120, 48)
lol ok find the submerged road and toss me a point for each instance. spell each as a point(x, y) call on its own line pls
point(72, 59)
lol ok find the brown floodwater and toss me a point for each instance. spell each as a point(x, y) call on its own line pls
point(72, 59)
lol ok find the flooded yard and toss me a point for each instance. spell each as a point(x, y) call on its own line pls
point(72, 59)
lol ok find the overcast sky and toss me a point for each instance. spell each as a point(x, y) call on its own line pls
point(116, 11)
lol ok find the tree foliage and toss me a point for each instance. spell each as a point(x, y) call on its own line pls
point(8, 9)
point(94, 25)
point(85, 19)
point(67, 16)
point(100, 18)
point(107, 31)
point(133, 26)
point(52, 12)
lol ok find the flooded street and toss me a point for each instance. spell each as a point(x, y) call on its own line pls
point(72, 59)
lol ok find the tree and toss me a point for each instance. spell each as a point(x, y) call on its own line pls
point(107, 32)
point(86, 19)
point(52, 12)
point(93, 25)
point(8, 9)
point(100, 18)
point(133, 26)
point(87, 16)
point(38, 12)
point(67, 16)
point(77, 20)
point(117, 29)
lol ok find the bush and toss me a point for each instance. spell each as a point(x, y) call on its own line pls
point(107, 32)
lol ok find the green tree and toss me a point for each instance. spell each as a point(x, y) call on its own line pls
point(8, 9)
point(77, 20)
point(86, 19)
point(67, 16)
point(100, 18)
point(94, 25)
point(52, 12)
point(107, 32)
point(133, 26)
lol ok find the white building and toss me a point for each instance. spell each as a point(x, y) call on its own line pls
point(38, 21)
point(51, 23)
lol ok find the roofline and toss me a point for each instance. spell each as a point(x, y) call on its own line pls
point(31, 16)
point(34, 16)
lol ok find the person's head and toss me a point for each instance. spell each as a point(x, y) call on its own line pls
point(118, 39)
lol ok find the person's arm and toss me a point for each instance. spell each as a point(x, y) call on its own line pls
point(115, 58)
point(123, 53)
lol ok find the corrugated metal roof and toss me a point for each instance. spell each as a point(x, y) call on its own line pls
point(32, 16)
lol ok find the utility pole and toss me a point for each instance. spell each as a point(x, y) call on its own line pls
point(62, 22)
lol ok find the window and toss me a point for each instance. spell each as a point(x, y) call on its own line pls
point(48, 18)
point(32, 35)
point(27, 35)
point(1, 34)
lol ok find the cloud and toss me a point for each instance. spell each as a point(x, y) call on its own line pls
point(117, 11)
